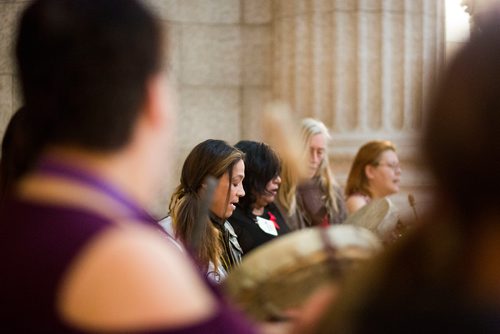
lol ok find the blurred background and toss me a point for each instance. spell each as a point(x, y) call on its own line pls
point(363, 67)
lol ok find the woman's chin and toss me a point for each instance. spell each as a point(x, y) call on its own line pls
point(394, 191)
point(229, 211)
point(269, 199)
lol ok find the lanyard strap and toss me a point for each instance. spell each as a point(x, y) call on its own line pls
point(62, 169)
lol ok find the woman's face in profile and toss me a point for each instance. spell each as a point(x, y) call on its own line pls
point(317, 151)
point(222, 206)
point(271, 191)
point(384, 178)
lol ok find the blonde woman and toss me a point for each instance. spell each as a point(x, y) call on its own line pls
point(375, 173)
point(319, 198)
point(219, 249)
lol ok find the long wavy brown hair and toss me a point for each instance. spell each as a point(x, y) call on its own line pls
point(209, 158)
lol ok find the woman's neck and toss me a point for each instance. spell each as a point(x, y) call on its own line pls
point(258, 210)
point(375, 194)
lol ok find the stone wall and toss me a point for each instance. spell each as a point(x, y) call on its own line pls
point(10, 100)
point(361, 66)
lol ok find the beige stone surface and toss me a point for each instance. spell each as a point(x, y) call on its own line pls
point(5, 101)
point(346, 5)
point(17, 101)
point(174, 49)
point(197, 11)
point(212, 11)
point(256, 54)
point(164, 9)
point(208, 113)
point(378, 63)
point(285, 8)
point(9, 95)
point(211, 55)
point(254, 102)
point(394, 6)
point(9, 12)
point(257, 11)
point(346, 71)
point(282, 52)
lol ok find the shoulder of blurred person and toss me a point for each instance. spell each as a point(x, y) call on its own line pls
point(356, 202)
point(121, 279)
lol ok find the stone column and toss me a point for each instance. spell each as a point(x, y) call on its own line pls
point(10, 99)
point(364, 67)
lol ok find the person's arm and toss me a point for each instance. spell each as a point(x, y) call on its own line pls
point(354, 203)
point(132, 279)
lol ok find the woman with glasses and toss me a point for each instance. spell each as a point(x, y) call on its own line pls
point(375, 173)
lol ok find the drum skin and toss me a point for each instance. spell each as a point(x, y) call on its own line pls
point(283, 273)
point(379, 216)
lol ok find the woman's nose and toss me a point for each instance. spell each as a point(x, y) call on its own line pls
point(316, 157)
point(277, 180)
point(241, 191)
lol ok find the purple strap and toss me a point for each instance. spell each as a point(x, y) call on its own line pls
point(62, 169)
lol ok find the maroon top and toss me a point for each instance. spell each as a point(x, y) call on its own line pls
point(38, 243)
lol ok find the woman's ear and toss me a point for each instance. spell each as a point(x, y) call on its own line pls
point(158, 105)
point(369, 171)
point(153, 103)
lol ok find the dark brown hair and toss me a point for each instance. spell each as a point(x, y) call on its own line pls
point(462, 138)
point(84, 67)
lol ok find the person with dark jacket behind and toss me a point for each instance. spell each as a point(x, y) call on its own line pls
point(256, 219)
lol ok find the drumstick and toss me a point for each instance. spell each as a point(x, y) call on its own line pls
point(411, 201)
point(281, 132)
point(204, 206)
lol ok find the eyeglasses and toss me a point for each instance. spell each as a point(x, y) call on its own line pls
point(395, 166)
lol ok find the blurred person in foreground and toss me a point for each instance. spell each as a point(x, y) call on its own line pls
point(78, 251)
point(445, 277)
point(19, 151)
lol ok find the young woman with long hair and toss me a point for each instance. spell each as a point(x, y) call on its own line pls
point(218, 249)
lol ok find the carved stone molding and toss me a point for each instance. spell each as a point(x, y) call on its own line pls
point(363, 67)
